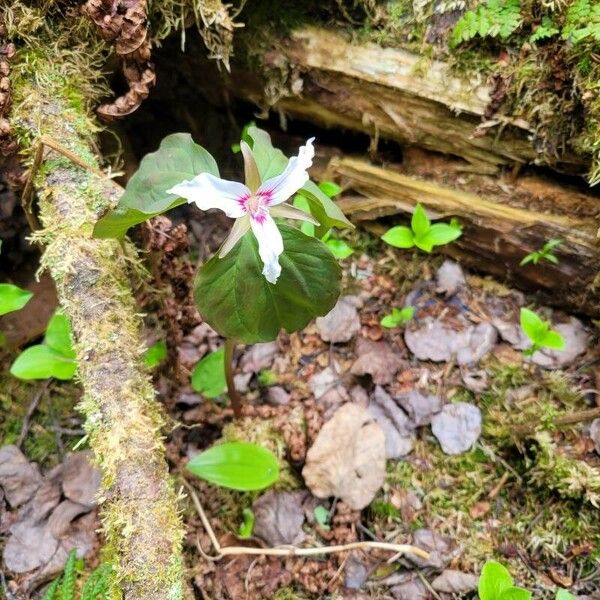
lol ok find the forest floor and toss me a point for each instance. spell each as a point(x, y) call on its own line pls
point(483, 459)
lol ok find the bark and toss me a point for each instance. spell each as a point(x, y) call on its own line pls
point(388, 93)
point(140, 515)
point(502, 221)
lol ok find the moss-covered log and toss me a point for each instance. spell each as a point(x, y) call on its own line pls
point(503, 222)
point(141, 521)
point(322, 77)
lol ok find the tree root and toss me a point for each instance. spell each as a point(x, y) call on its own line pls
point(140, 515)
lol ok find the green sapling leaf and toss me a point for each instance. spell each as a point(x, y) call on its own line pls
point(208, 376)
point(246, 527)
point(398, 317)
point(12, 298)
point(494, 581)
point(236, 465)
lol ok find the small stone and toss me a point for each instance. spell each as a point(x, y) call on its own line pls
point(376, 359)
point(450, 278)
point(441, 549)
point(242, 381)
point(342, 322)
point(279, 517)
point(595, 434)
point(18, 477)
point(81, 480)
point(457, 427)
point(258, 357)
point(451, 581)
point(277, 396)
point(420, 407)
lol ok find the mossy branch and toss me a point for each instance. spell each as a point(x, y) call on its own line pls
point(140, 515)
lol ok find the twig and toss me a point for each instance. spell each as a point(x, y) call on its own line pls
point(292, 550)
point(498, 487)
point(562, 421)
point(35, 401)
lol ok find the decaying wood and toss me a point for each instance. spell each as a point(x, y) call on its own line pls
point(502, 221)
point(388, 93)
point(140, 515)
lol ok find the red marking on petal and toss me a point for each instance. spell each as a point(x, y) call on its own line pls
point(260, 218)
point(243, 201)
point(266, 196)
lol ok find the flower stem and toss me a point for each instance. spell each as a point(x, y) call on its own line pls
point(234, 396)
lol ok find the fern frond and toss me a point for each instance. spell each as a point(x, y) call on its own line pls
point(52, 589)
point(67, 589)
point(96, 584)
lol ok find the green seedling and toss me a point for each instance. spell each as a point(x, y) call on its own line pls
point(544, 253)
point(155, 354)
point(322, 517)
point(422, 233)
point(496, 583)
point(55, 357)
point(540, 333)
point(12, 298)
point(398, 317)
point(247, 525)
point(208, 376)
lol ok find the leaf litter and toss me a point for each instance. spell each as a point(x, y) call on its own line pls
point(400, 433)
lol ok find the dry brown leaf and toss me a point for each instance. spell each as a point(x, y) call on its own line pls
point(342, 323)
point(376, 359)
point(451, 581)
point(18, 477)
point(279, 517)
point(347, 459)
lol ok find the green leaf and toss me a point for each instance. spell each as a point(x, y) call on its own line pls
point(42, 362)
point(339, 248)
point(97, 583)
point(399, 237)
point(237, 301)
point(270, 160)
point(532, 257)
point(177, 159)
point(398, 317)
point(236, 465)
point(322, 516)
point(12, 298)
point(564, 595)
point(515, 593)
point(155, 354)
point(533, 326)
point(324, 209)
point(302, 203)
point(208, 376)
point(50, 593)
point(554, 340)
point(494, 580)
point(420, 223)
point(330, 188)
point(245, 530)
point(439, 234)
point(58, 335)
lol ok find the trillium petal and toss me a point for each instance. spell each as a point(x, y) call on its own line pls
point(278, 189)
point(291, 212)
point(270, 244)
point(240, 227)
point(208, 191)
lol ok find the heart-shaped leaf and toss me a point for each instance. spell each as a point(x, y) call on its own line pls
point(177, 159)
point(208, 376)
point(237, 301)
point(236, 465)
point(42, 362)
point(12, 298)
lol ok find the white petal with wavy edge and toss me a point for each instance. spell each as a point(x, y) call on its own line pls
point(208, 191)
point(270, 245)
point(240, 227)
point(278, 189)
point(291, 212)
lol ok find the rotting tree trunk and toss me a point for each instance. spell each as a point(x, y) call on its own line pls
point(140, 515)
point(503, 222)
point(388, 93)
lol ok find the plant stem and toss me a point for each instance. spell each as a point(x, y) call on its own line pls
point(234, 396)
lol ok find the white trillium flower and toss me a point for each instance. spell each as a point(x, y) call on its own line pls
point(254, 205)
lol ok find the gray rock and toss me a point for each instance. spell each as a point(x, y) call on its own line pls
point(450, 278)
point(279, 517)
point(277, 396)
point(419, 407)
point(342, 322)
point(451, 581)
point(258, 357)
point(441, 549)
point(595, 433)
point(399, 434)
point(457, 427)
point(18, 477)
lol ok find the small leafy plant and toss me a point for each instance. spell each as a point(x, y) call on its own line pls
point(236, 465)
point(496, 583)
point(540, 333)
point(544, 253)
point(422, 233)
point(155, 354)
point(247, 525)
point(96, 586)
point(267, 276)
point(12, 298)
point(398, 317)
point(55, 357)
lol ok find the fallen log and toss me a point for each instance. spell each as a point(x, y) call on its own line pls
point(123, 420)
point(388, 93)
point(502, 222)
